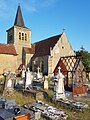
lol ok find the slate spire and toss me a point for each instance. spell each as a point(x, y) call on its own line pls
point(19, 19)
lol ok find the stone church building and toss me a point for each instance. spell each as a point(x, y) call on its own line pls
point(19, 49)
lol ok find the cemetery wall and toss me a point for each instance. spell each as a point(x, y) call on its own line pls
point(8, 62)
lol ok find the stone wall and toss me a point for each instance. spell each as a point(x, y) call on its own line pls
point(61, 49)
point(41, 62)
point(19, 44)
point(8, 62)
point(28, 59)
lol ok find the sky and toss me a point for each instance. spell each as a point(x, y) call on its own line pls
point(47, 18)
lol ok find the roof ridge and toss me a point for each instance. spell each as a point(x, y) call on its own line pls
point(47, 38)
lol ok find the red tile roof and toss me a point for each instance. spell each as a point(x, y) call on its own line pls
point(42, 48)
point(62, 66)
point(7, 49)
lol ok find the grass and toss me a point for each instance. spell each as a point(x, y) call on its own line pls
point(73, 115)
point(20, 99)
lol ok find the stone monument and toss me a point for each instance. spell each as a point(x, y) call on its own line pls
point(38, 73)
point(28, 79)
point(59, 86)
point(10, 78)
point(23, 72)
point(45, 82)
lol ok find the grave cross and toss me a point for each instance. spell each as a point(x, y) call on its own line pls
point(38, 69)
point(59, 69)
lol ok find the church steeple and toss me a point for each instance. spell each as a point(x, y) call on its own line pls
point(19, 19)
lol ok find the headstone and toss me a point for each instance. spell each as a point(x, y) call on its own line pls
point(9, 104)
point(45, 83)
point(59, 86)
point(37, 115)
point(28, 78)
point(10, 80)
point(23, 72)
point(38, 73)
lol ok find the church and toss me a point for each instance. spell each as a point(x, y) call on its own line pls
point(19, 49)
point(48, 55)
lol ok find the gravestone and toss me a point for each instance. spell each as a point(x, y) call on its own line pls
point(59, 86)
point(28, 78)
point(45, 83)
point(23, 72)
point(10, 78)
point(38, 73)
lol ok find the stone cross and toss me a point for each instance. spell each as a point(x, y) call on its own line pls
point(38, 69)
point(38, 73)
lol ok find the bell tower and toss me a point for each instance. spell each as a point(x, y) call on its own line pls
point(19, 35)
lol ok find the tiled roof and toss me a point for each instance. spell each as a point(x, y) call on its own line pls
point(62, 66)
point(30, 50)
point(42, 48)
point(7, 49)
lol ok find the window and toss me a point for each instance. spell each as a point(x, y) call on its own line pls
point(25, 37)
point(19, 36)
point(62, 47)
point(22, 36)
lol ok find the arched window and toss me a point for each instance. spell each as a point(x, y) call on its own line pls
point(25, 37)
point(22, 36)
point(19, 35)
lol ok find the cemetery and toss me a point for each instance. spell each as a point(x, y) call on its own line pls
point(45, 80)
point(10, 111)
point(34, 86)
point(47, 111)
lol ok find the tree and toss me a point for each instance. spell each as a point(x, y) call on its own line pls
point(85, 55)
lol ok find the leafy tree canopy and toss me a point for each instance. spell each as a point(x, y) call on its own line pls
point(85, 55)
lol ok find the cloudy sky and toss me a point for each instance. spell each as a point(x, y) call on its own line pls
point(47, 18)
